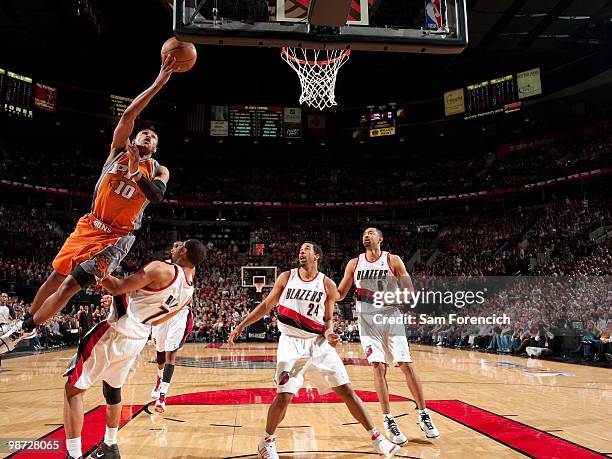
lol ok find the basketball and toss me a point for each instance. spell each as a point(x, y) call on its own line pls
point(184, 53)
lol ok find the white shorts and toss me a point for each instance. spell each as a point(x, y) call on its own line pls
point(171, 335)
point(383, 343)
point(104, 354)
point(314, 358)
point(4, 328)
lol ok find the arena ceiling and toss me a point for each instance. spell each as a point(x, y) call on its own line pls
point(112, 45)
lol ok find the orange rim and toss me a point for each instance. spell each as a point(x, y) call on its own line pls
point(346, 53)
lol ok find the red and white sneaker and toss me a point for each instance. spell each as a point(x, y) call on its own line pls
point(267, 448)
point(384, 446)
point(155, 391)
point(160, 403)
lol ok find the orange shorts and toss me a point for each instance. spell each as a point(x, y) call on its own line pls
point(95, 246)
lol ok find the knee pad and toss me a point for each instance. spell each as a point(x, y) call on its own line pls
point(112, 395)
point(83, 278)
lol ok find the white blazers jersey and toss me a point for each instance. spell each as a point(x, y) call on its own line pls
point(132, 314)
point(5, 314)
point(372, 277)
point(302, 306)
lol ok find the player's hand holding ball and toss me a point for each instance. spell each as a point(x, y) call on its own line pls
point(168, 67)
point(332, 338)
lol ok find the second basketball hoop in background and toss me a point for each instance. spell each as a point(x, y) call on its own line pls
point(318, 71)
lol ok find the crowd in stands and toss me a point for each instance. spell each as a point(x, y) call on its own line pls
point(77, 166)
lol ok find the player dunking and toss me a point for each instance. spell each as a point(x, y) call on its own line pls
point(153, 295)
point(306, 299)
point(384, 345)
point(130, 179)
point(169, 337)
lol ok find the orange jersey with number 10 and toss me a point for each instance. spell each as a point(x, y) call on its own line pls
point(117, 200)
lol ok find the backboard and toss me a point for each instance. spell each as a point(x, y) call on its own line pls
point(418, 26)
point(250, 275)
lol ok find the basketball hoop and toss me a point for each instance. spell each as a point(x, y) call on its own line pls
point(259, 282)
point(318, 70)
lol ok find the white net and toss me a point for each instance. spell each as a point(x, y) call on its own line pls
point(318, 70)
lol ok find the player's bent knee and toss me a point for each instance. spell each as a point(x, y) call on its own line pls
point(82, 278)
point(379, 367)
point(70, 390)
point(112, 395)
point(55, 279)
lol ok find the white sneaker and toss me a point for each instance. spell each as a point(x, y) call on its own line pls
point(392, 430)
point(384, 446)
point(160, 403)
point(13, 336)
point(267, 448)
point(427, 426)
point(155, 391)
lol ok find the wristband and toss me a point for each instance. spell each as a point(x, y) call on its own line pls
point(135, 176)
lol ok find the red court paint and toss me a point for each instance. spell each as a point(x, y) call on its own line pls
point(93, 432)
point(520, 437)
point(265, 396)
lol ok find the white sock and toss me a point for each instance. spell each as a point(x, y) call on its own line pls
point(267, 435)
point(73, 445)
point(164, 388)
point(423, 411)
point(110, 436)
point(160, 373)
point(388, 416)
point(374, 433)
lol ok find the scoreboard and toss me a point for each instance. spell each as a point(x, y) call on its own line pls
point(490, 97)
point(381, 119)
point(117, 105)
point(16, 94)
point(256, 121)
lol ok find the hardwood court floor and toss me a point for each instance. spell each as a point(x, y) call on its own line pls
point(484, 405)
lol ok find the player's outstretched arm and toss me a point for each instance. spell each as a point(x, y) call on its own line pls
point(167, 317)
point(328, 318)
point(347, 280)
point(126, 123)
point(155, 271)
point(262, 308)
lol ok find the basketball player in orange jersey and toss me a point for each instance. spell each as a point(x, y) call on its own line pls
point(156, 293)
point(306, 299)
point(130, 180)
point(384, 345)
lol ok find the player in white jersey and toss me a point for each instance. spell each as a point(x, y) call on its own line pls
point(384, 344)
point(306, 299)
point(169, 337)
point(7, 315)
point(156, 293)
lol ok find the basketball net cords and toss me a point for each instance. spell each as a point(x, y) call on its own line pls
point(317, 76)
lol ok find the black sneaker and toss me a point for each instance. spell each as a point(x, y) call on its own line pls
point(68, 456)
point(106, 452)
